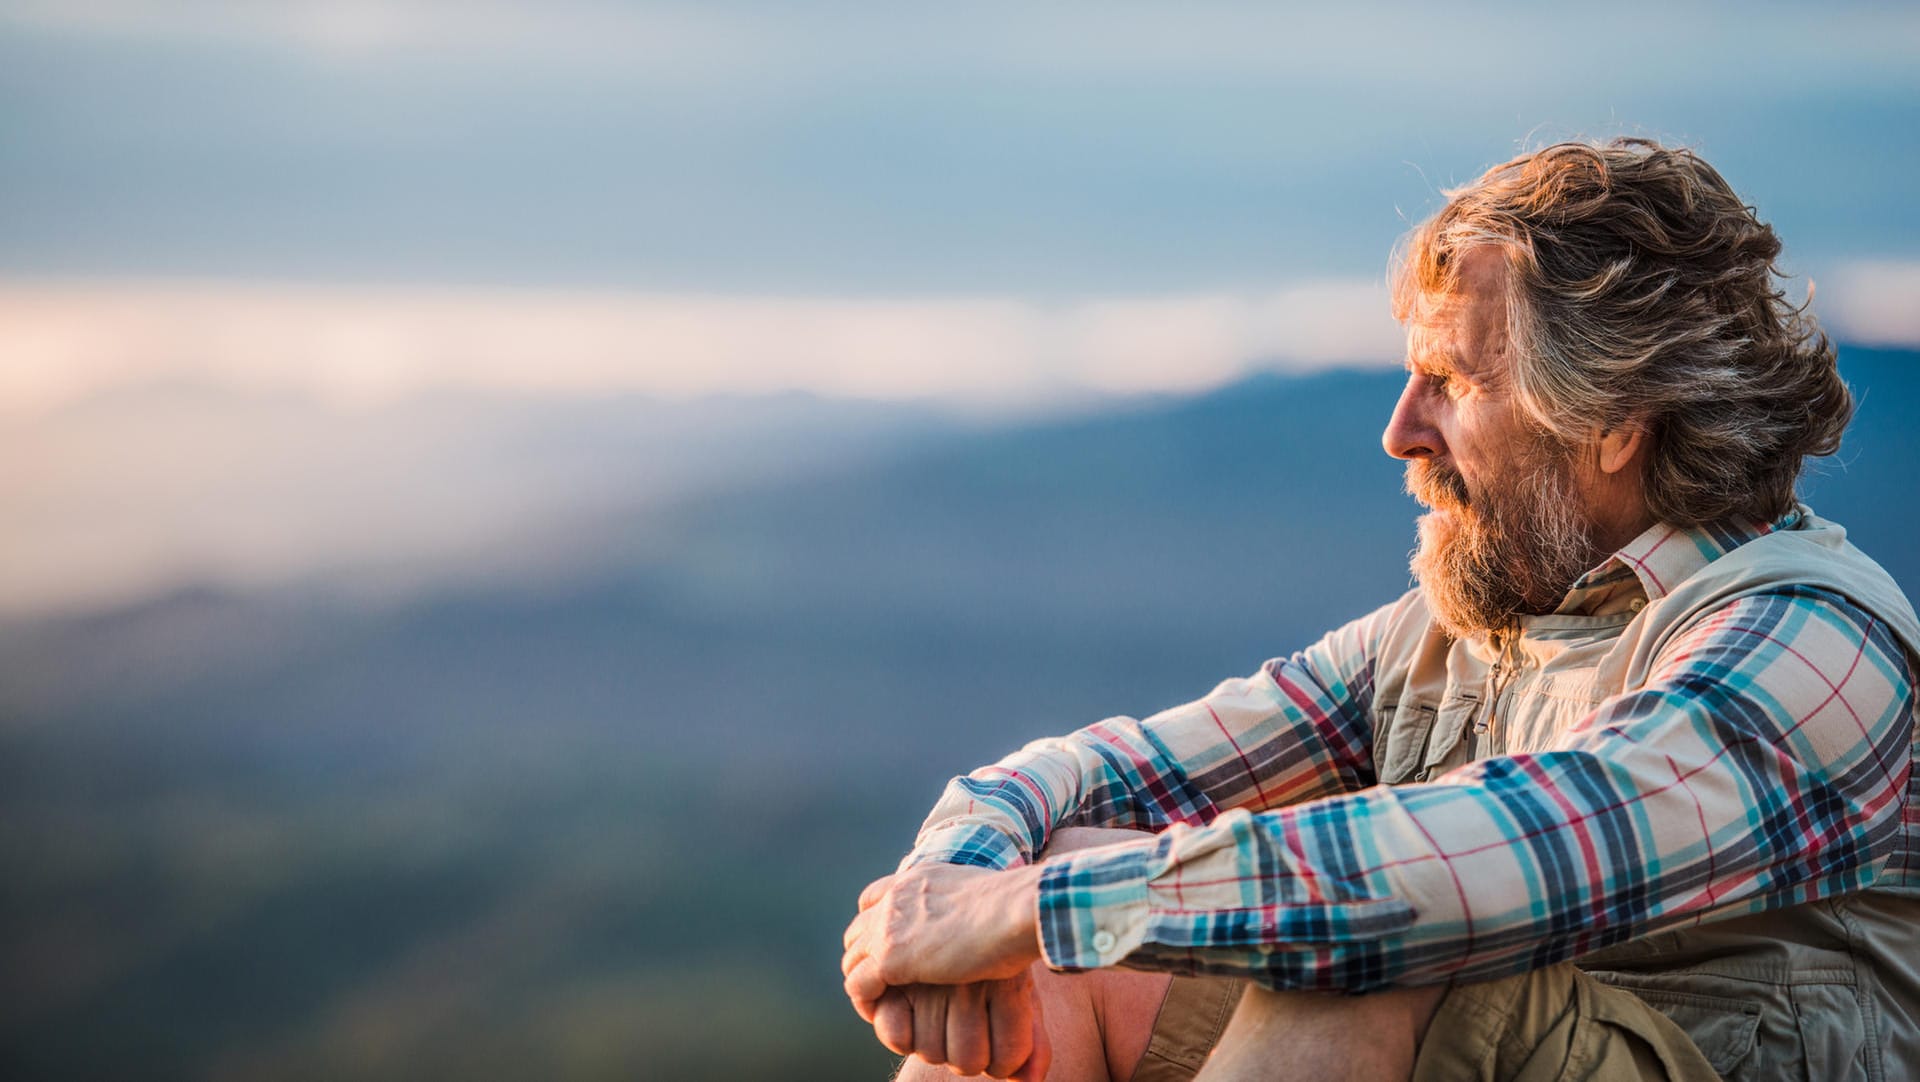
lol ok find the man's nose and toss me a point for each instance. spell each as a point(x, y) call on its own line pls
point(1410, 433)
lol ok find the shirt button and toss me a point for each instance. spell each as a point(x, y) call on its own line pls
point(1638, 604)
point(1103, 941)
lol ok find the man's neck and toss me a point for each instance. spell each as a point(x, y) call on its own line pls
point(1610, 538)
point(1616, 507)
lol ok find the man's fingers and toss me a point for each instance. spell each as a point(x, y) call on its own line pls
point(893, 1022)
point(968, 1046)
point(1009, 1024)
point(929, 1021)
point(874, 890)
point(1035, 1069)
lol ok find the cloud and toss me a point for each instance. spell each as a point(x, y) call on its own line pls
point(1873, 302)
point(372, 345)
point(365, 346)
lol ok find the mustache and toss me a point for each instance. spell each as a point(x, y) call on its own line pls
point(1437, 485)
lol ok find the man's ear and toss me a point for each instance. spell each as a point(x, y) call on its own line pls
point(1619, 445)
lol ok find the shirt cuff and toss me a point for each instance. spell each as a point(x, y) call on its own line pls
point(971, 844)
point(1093, 905)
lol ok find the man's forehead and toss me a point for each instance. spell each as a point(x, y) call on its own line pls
point(1483, 271)
point(1480, 276)
point(1453, 325)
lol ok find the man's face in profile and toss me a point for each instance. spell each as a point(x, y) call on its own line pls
point(1508, 530)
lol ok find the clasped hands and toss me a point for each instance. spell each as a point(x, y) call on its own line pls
point(937, 960)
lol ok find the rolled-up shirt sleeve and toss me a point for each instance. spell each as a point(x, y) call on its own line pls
point(1296, 730)
point(1765, 763)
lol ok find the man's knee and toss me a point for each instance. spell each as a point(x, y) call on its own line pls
point(1325, 1035)
point(1513, 1029)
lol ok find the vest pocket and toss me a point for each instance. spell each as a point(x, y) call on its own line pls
point(1403, 742)
point(1722, 1028)
point(1763, 1030)
point(1573, 687)
point(1833, 1034)
point(1448, 745)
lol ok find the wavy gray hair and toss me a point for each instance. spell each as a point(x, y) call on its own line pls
point(1642, 293)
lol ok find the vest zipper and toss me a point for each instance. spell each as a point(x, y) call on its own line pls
point(1497, 680)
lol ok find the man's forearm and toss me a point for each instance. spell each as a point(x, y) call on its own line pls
point(1303, 719)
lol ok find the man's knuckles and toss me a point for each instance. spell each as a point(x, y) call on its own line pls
point(893, 967)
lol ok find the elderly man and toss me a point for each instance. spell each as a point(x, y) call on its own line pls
point(1625, 788)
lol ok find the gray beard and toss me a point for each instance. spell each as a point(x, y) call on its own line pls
point(1486, 559)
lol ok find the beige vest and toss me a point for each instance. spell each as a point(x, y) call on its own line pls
point(1827, 990)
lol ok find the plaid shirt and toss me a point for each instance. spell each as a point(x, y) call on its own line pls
point(1766, 762)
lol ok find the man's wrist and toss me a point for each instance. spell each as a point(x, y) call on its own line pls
point(1020, 909)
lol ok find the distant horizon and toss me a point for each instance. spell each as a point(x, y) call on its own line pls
point(362, 345)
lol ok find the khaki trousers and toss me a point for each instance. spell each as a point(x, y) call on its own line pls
point(1551, 1025)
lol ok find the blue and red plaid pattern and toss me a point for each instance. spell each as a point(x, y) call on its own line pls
point(1766, 763)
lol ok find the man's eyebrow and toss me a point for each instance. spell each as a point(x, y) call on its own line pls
point(1427, 362)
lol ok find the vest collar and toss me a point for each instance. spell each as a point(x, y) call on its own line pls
point(1662, 558)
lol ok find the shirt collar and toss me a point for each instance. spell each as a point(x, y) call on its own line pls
point(1661, 558)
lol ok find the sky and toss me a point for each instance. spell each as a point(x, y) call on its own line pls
point(1111, 194)
point(1000, 208)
